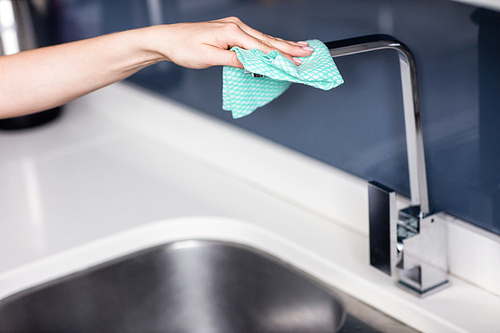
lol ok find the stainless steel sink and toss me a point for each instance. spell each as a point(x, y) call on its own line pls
point(186, 286)
point(191, 286)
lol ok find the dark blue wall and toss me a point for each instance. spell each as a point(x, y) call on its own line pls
point(358, 126)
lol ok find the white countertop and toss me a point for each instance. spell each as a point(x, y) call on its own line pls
point(124, 169)
point(491, 4)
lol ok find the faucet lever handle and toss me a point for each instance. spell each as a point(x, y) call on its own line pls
point(383, 226)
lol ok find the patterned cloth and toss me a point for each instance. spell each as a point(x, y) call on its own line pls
point(242, 93)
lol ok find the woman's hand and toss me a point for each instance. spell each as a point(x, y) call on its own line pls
point(205, 44)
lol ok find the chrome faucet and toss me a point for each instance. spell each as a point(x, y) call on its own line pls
point(411, 243)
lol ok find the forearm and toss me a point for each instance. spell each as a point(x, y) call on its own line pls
point(40, 79)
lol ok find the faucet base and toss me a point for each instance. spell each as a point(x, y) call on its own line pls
point(423, 293)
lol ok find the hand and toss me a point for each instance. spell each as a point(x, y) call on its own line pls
point(205, 44)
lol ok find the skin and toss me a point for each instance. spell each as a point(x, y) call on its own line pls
point(44, 78)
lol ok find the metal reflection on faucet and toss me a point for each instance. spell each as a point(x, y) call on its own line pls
point(411, 242)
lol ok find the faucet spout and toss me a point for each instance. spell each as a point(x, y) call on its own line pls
point(411, 242)
point(413, 126)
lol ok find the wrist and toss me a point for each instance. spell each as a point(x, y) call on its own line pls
point(152, 41)
point(135, 50)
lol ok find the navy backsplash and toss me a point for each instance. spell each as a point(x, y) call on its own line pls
point(357, 127)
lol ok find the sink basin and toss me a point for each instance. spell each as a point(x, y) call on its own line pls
point(184, 286)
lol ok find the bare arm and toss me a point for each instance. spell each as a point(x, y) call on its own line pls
point(43, 78)
point(39, 79)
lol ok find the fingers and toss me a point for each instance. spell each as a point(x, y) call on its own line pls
point(238, 37)
point(249, 38)
point(278, 43)
point(292, 48)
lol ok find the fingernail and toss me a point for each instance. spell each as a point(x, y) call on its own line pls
point(307, 48)
point(297, 60)
point(303, 43)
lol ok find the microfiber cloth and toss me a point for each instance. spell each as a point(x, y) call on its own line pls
point(242, 93)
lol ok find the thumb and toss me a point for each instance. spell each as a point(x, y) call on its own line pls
point(226, 58)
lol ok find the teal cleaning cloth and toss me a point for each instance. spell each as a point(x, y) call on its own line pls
point(242, 93)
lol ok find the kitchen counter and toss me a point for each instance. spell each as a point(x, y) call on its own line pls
point(492, 4)
point(125, 167)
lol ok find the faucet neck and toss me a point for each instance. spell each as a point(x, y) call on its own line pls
point(413, 126)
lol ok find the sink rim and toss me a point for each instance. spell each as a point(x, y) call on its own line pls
point(129, 241)
point(197, 243)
